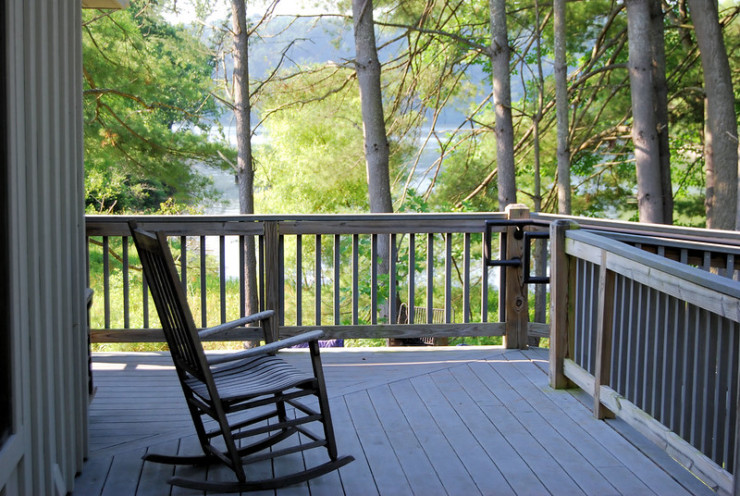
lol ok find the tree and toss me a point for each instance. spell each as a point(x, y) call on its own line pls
point(314, 160)
point(644, 126)
point(147, 110)
point(562, 104)
point(721, 131)
point(244, 168)
point(368, 69)
point(504, 127)
point(660, 106)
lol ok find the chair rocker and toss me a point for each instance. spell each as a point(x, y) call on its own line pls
point(240, 402)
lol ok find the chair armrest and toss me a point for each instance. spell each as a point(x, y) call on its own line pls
point(255, 317)
point(268, 348)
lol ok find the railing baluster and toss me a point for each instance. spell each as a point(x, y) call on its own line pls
point(392, 258)
point(592, 317)
point(262, 270)
point(466, 279)
point(630, 345)
point(126, 284)
point(412, 279)
point(709, 368)
point(280, 303)
point(242, 277)
point(203, 286)
point(484, 284)
point(618, 337)
point(337, 254)
point(673, 338)
point(730, 266)
point(718, 434)
point(355, 278)
point(106, 281)
point(430, 276)
point(448, 277)
point(184, 263)
point(299, 279)
point(144, 301)
point(374, 279)
point(222, 275)
point(317, 271)
point(604, 335)
point(658, 358)
point(640, 325)
point(651, 332)
point(731, 428)
point(685, 368)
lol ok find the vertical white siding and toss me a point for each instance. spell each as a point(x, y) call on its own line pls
point(47, 252)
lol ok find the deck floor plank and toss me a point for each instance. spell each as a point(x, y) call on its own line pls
point(414, 462)
point(624, 452)
point(456, 421)
point(124, 475)
point(377, 447)
point(450, 470)
point(154, 476)
point(515, 470)
point(557, 433)
point(544, 451)
point(482, 469)
point(601, 455)
point(357, 477)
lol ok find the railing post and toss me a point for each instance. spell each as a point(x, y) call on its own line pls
point(272, 277)
point(736, 462)
point(604, 335)
point(516, 304)
point(561, 305)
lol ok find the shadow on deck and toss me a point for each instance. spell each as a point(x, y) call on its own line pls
point(458, 421)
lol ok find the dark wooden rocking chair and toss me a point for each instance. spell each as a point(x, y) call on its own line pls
point(246, 393)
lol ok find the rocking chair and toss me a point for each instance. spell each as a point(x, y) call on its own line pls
point(239, 398)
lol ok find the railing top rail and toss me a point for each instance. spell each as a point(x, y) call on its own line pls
point(116, 225)
point(717, 247)
point(695, 234)
point(648, 261)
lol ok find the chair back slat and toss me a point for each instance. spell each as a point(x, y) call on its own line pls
point(171, 303)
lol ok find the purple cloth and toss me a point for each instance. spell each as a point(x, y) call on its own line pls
point(324, 343)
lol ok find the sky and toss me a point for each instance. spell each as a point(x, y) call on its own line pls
point(222, 8)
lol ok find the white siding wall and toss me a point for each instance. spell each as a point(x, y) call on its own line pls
point(47, 269)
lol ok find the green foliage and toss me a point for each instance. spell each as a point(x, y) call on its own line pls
point(314, 161)
point(148, 111)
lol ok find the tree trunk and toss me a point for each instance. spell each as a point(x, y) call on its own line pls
point(245, 170)
point(373, 121)
point(721, 132)
point(644, 128)
point(562, 106)
point(367, 66)
point(660, 106)
point(504, 127)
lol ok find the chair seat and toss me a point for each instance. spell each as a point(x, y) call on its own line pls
point(252, 377)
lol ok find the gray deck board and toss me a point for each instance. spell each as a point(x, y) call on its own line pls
point(541, 446)
point(625, 453)
point(450, 470)
point(456, 421)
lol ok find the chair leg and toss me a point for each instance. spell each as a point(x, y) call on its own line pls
point(331, 443)
point(280, 407)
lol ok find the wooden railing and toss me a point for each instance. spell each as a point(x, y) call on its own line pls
point(317, 271)
point(654, 340)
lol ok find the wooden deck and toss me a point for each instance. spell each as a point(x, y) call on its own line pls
point(457, 421)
